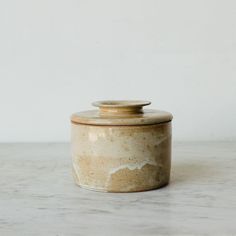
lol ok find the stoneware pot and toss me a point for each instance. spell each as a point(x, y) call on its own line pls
point(121, 148)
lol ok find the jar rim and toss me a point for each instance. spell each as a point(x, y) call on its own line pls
point(121, 103)
point(121, 113)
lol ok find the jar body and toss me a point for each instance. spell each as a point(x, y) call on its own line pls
point(121, 158)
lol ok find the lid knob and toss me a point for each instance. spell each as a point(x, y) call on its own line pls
point(120, 107)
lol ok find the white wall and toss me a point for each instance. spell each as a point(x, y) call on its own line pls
point(56, 57)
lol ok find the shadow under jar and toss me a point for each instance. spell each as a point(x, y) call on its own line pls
point(121, 147)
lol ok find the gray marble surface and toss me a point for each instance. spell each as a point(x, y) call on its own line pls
point(38, 195)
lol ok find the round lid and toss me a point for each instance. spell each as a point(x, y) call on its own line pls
point(121, 112)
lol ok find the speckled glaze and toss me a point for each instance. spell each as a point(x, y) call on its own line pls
point(130, 151)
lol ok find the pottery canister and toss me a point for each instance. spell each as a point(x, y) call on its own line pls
point(121, 147)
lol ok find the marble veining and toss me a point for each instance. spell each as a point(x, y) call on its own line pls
point(38, 197)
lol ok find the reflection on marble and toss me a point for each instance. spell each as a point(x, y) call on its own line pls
point(38, 195)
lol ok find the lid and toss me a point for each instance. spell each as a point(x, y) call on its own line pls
point(121, 112)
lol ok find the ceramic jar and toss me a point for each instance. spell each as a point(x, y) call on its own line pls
point(121, 147)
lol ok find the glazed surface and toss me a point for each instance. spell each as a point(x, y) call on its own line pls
point(121, 158)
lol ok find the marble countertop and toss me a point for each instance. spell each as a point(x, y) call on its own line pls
point(38, 195)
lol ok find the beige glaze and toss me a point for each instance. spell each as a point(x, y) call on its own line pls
point(121, 158)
